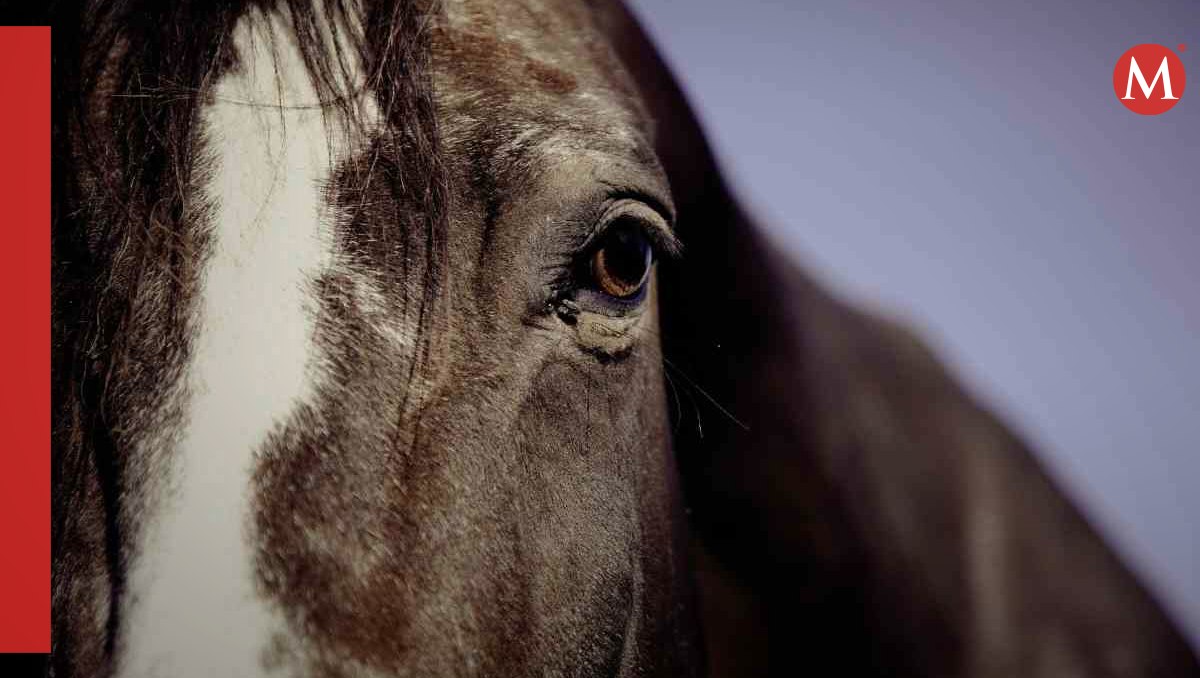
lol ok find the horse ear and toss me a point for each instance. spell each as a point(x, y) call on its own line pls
point(848, 501)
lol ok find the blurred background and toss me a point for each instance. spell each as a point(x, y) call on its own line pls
point(971, 168)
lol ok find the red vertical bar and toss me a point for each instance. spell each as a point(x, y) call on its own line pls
point(25, 339)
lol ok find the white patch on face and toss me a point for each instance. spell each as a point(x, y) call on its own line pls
point(193, 608)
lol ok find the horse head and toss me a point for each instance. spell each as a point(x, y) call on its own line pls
point(397, 338)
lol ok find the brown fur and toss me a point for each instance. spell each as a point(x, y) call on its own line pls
point(489, 481)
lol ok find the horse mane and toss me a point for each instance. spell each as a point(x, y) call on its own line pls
point(128, 242)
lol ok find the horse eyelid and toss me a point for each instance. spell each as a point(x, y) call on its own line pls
point(651, 219)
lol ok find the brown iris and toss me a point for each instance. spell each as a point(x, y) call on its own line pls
point(621, 264)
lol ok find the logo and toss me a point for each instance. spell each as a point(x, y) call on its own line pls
point(1149, 79)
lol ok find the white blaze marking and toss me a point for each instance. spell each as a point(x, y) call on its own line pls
point(193, 608)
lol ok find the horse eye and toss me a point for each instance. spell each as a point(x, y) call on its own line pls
point(621, 263)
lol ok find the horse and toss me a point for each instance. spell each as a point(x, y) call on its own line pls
point(408, 338)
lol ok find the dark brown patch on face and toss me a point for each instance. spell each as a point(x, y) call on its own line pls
point(480, 50)
point(536, 61)
point(489, 537)
point(467, 492)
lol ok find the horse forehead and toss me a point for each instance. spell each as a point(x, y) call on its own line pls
point(531, 63)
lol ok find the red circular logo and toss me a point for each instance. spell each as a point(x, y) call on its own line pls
point(1149, 79)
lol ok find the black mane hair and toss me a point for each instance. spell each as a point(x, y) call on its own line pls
point(129, 237)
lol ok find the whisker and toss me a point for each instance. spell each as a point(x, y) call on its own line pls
point(678, 402)
point(690, 382)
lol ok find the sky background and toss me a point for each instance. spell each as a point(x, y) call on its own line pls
point(968, 165)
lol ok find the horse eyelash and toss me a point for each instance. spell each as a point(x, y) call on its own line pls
point(574, 274)
point(665, 243)
point(569, 272)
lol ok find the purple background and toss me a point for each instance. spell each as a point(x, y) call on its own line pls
point(971, 168)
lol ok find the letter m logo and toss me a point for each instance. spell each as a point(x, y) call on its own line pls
point(1163, 73)
point(1157, 94)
